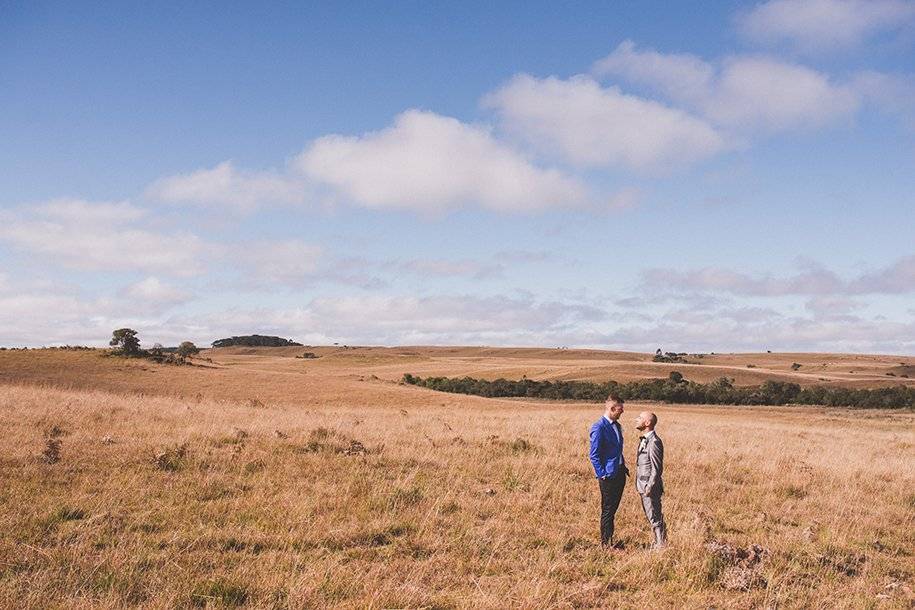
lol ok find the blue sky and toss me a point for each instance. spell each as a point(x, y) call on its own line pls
point(621, 175)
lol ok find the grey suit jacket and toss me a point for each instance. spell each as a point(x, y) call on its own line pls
point(649, 466)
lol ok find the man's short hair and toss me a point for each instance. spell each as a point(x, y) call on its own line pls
point(615, 398)
point(653, 420)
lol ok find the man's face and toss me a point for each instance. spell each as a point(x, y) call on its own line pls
point(642, 421)
point(615, 409)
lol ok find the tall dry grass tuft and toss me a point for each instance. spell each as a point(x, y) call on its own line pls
point(376, 503)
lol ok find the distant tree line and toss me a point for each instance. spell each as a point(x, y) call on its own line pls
point(678, 390)
point(672, 357)
point(126, 343)
point(255, 341)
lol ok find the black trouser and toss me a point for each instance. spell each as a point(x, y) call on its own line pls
point(611, 492)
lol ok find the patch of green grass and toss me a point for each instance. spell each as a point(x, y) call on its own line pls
point(513, 482)
point(223, 592)
point(64, 514)
point(405, 497)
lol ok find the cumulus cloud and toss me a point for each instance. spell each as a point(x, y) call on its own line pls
point(824, 25)
point(226, 186)
point(678, 75)
point(592, 126)
point(430, 163)
point(741, 93)
point(89, 236)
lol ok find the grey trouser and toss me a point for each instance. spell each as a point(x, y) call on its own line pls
point(652, 506)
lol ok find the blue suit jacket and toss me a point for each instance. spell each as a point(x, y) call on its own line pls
point(606, 448)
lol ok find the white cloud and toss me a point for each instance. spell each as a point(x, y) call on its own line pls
point(430, 163)
point(154, 290)
point(99, 237)
point(226, 186)
point(593, 126)
point(81, 212)
point(823, 25)
point(741, 93)
point(448, 319)
point(771, 94)
point(55, 318)
point(279, 262)
point(679, 75)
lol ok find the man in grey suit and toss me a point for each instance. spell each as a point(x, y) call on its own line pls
point(649, 464)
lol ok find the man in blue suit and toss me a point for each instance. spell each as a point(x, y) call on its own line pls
point(609, 466)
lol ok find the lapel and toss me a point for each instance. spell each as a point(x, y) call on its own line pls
point(612, 432)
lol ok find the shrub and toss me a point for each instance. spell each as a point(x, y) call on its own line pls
point(187, 349)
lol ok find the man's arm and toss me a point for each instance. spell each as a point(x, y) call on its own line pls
point(656, 457)
point(595, 453)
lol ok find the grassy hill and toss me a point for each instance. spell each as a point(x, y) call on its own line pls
point(262, 480)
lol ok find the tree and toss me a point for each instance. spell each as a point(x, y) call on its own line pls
point(676, 376)
point(187, 349)
point(125, 340)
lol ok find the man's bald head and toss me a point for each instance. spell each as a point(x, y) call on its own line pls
point(646, 420)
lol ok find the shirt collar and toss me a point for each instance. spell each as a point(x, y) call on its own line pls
point(647, 436)
point(610, 421)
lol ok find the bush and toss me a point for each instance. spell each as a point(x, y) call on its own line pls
point(187, 349)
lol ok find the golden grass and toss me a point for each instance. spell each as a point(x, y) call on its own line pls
point(357, 492)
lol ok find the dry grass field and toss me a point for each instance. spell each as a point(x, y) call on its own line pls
point(261, 480)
